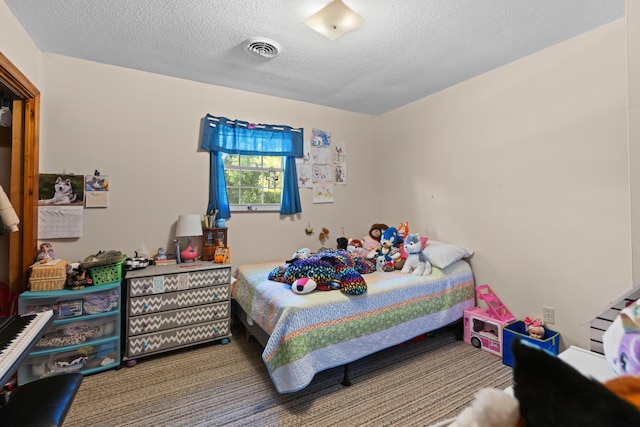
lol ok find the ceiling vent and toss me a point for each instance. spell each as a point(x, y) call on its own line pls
point(261, 47)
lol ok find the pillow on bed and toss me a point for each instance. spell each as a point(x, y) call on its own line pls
point(442, 255)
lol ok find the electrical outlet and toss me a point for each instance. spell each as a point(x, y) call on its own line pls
point(548, 314)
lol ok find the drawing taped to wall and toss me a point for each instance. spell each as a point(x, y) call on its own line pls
point(304, 176)
point(321, 173)
point(340, 173)
point(320, 138)
point(323, 192)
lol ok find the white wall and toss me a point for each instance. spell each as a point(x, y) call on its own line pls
point(143, 131)
point(528, 166)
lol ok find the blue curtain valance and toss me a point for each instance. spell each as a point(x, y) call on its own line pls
point(238, 137)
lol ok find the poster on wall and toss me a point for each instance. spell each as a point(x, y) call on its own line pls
point(96, 191)
point(60, 206)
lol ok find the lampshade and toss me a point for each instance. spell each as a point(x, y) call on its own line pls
point(189, 225)
point(335, 20)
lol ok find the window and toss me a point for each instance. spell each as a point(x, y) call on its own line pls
point(253, 182)
point(258, 160)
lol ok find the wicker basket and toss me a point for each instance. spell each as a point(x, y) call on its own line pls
point(51, 276)
point(107, 273)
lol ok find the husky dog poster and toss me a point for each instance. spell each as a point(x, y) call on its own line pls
point(56, 190)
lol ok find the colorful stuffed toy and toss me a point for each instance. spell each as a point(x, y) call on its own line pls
point(416, 261)
point(329, 269)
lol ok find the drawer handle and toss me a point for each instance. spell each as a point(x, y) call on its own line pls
point(145, 345)
point(146, 286)
point(145, 325)
point(216, 330)
point(146, 305)
point(216, 294)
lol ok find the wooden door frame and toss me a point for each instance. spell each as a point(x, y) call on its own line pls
point(25, 152)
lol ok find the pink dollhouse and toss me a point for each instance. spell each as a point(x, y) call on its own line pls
point(483, 326)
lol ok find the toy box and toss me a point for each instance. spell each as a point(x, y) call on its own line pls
point(550, 342)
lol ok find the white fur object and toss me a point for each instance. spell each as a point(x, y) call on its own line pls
point(416, 261)
point(490, 408)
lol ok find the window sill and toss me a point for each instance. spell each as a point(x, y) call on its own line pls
point(254, 208)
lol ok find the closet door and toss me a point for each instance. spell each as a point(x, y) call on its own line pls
point(23, 191)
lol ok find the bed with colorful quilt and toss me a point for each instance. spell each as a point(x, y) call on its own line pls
point(304, 334)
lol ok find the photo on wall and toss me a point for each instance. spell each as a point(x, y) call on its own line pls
point(57, 190)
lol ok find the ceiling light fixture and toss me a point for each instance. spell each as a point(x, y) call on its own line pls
point(335, 20)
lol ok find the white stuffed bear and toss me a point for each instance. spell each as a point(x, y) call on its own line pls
point(416, 260)
point(491, 408)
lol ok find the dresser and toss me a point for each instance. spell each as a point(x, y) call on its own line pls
point(175, 306)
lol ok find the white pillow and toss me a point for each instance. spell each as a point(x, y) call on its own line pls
point(442, 255)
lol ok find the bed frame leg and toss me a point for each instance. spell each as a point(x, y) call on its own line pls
point(459, 329)
point(345, 380)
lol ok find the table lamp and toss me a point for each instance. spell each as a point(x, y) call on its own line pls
point(188, 226)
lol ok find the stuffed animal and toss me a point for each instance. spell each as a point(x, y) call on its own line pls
point(388, 249)
point(342, 243)
point(330, 269)
point(301, 254)
point(403, 229)
point(376, 230)
point(416, 261)
point(549, 392)
point(354, 247)
point(77, 277)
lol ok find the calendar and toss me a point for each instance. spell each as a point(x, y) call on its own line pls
point(56, 222)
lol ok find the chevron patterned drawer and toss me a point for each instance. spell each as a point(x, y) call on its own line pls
point(175, 338)
point(170, 301)
point(150, 285)
point(175, 318)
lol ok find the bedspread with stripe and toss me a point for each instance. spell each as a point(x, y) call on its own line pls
point(317, 331)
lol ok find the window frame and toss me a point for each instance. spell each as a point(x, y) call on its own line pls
point(254, 207)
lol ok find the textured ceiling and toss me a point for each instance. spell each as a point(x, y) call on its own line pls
point(408, 49)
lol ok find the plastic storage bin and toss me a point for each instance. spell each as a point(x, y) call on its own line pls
point(107, 273)
point(550, 342)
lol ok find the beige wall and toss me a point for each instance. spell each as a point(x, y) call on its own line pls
point(528, 166)
point(143, 131)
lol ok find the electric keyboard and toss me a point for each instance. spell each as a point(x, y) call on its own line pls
point(18, 336)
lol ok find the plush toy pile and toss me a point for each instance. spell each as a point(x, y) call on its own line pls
point(326, 270)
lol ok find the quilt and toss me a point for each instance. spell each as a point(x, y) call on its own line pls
point(324, 329)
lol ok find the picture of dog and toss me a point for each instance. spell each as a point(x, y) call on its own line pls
point(63, 193)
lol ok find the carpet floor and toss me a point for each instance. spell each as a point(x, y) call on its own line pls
point(414, 384)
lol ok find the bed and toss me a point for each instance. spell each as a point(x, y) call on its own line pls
point(306, 334)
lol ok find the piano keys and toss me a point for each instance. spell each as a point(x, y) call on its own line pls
point(18, 336)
